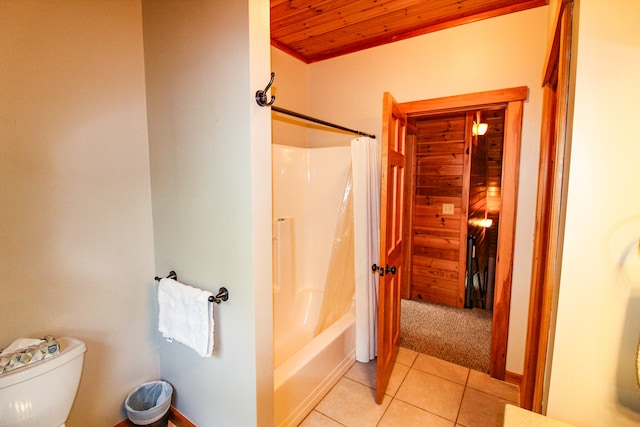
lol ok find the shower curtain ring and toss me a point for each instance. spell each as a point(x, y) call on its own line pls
point(261, 95)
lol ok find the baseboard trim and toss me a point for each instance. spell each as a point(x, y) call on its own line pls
point(174, 416)
point(178, 419)
point(124, 423)
point(513, 378)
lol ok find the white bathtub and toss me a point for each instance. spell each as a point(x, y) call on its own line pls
point(294, 319)
point(302, 380)
point(308, 192)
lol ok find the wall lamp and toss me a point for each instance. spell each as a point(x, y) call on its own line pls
point(482, 223)
point(479, 128)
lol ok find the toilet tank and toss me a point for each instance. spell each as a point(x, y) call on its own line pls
point(41, 394)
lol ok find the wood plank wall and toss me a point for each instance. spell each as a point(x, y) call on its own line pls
point(478, 205)
point(436, 236)
point(436, 247)
point(495, 145)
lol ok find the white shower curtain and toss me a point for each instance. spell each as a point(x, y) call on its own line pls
point(365, 161)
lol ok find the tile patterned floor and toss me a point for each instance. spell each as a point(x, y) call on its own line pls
point(423, 391)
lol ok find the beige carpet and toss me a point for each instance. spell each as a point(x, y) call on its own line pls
point(461, 336)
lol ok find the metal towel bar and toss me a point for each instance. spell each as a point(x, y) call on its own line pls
point(222, 295)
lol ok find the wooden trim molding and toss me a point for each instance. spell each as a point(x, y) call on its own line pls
point(540, 247)
point(506, 238)
point(175, 417)
point(459, 103)
point(410, 184)
point(512, 100)
point(464, 211)
point(467, 20)
point(513, 378)
point(552, 182)
point(288, 51)
point(553, 49)
point(178, 419)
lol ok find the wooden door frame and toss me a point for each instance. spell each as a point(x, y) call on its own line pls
point(512, 99)
point(549, 231)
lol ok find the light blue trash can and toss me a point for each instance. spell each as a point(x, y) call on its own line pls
point(148, 405)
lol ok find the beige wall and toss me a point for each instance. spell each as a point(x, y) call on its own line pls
point(503, 52)
point(77, 251)
point(553, 12)
point(593, 379)
point(210, 153)
point(290, 90)
point(76, 248)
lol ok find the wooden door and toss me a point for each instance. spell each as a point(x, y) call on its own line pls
point(392, 194)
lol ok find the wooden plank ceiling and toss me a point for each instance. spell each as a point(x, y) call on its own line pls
point(314, 30)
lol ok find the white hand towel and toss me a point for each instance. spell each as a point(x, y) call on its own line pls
point(186, 315)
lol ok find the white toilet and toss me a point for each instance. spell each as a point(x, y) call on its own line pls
point(41, 394)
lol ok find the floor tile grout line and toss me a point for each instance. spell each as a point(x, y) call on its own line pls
point(359, 382)
point(435, 374)
point(325, 415)
point(422, 409)
point(412, 361)
point(315, 408)
point(466, 387)
point(490, 394)
point(402, 382)
point(393, 397)
point(385, 410)
point(460, 404)
point(332, 419)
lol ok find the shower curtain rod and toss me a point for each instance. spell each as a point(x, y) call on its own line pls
point(322, 122)
point(261, 100)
